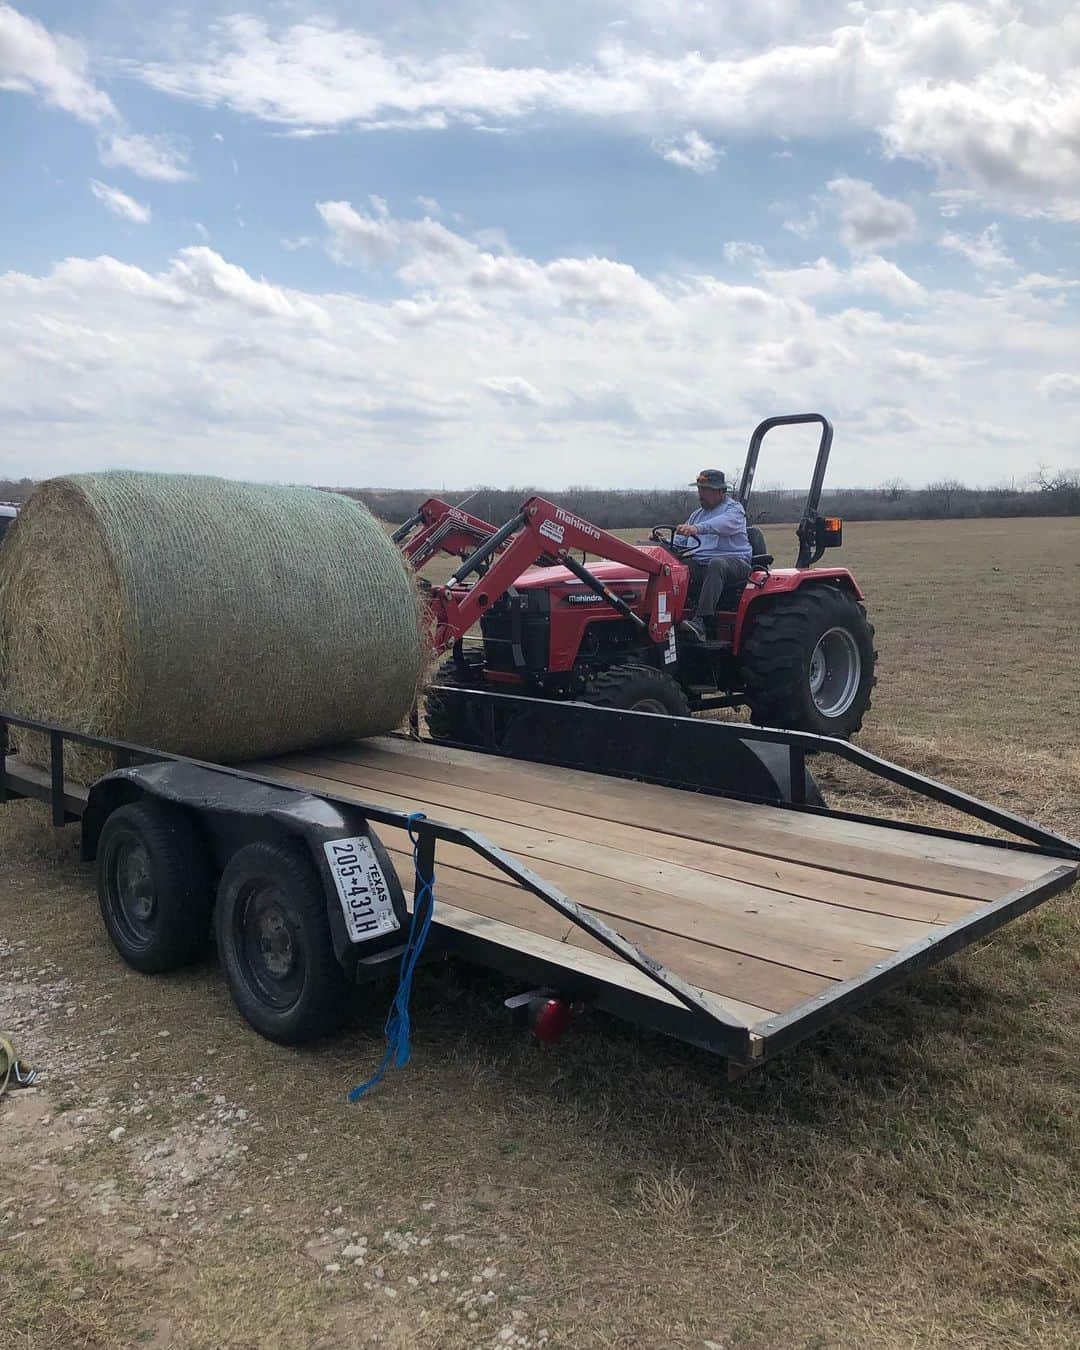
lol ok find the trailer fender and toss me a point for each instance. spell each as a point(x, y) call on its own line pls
point(231, 811)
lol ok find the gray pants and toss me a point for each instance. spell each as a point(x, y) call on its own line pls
point(714, 576)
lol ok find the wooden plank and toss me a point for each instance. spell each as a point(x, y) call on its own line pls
point(754, 978)
point(609, 970)
point(821, 938)
point(673, 809)
point(742, 980)
point(833, 886)
point(673, 880)
point(697, 925)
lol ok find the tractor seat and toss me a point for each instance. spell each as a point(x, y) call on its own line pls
point(729, 596)
point(758, 547)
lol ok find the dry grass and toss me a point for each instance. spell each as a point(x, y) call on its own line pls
point(907, 1179)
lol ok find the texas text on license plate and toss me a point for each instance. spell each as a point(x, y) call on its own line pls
point(361, 887)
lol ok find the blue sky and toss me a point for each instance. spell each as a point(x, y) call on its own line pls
point(521, 243)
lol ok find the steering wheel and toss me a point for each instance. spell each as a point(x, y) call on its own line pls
point(679, 550)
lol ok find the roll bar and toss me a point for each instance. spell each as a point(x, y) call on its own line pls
point(810, 546)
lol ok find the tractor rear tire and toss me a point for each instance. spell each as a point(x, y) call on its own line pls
point(448, 719)
point(808, 662)
point(636, 688)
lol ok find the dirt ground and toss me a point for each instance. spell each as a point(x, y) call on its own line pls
point(909, 1178)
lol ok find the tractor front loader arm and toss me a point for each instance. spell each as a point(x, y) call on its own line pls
point(443, 529)
point(543, 531)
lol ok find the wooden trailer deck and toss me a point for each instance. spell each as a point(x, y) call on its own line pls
point(763, 909)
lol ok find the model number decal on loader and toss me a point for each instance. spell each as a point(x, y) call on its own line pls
point(551, 531)
point(361, 887)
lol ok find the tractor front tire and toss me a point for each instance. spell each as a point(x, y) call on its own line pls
point(448, 719)
point(808, 662)
point(636, 688)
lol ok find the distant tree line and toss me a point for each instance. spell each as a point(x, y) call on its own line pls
point(1049, 493)
point(1046, 493)
point(15, 489)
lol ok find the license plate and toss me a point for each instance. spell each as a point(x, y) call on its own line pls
point(361, 887)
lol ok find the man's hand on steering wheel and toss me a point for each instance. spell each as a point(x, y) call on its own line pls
point(689, 534)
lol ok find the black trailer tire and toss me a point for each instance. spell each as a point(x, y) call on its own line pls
point(808, 662)
point(448, 719)
point(155, 886)
point(274, 941)
point(636, 688)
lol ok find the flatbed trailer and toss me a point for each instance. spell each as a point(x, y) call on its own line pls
point(595, 858)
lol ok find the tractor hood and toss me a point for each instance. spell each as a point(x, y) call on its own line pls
point(610, 573)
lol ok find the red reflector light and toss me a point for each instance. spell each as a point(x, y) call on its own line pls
point(550, 1020)
point(833, 524)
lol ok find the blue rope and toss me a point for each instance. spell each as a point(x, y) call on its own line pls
point(398, 1022)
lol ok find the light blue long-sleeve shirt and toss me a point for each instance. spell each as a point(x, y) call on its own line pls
point(722, 531)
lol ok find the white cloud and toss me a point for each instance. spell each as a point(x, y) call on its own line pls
point(33, 60)
point(425, 253)
point(987, 94)
point(1011, 133)
point(916, 366)
point(689, 151)
point(202, 273)
point(56, 69)
point(120, 204)
point(804, 228)
point(513, 389)
point(1061, 386)
point(870, 221)
point(154, 157)
point(739, 251)
point(870, 276)
point(480, 359)
point(985, 250)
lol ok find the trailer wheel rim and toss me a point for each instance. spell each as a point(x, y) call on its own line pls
point(269, 945)
point(835, 672)
point(130, 892)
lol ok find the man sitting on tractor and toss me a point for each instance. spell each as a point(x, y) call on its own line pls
point(722, 557)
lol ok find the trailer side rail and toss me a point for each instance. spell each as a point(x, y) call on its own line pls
point(707, 1020)
point(703, 1020)
point(1029, 835)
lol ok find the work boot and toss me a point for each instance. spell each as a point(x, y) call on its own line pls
point(694, 629)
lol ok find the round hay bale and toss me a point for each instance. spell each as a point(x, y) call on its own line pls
point(216, 619)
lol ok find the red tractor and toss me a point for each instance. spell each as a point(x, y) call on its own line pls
point(793, 643)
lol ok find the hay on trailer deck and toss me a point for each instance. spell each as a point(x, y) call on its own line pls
point(216, 619)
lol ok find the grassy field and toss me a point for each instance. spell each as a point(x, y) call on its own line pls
point(907, 1179)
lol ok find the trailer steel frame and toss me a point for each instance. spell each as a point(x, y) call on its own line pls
point(693, 1017)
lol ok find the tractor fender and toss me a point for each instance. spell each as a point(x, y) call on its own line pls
point(784, 581)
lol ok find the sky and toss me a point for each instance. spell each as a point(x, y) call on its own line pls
point(452, 242)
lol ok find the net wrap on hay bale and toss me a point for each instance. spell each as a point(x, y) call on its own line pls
point(216, 619)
